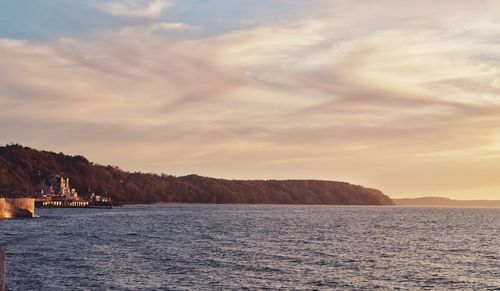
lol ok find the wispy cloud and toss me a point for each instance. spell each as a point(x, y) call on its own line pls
point(405, 98)
point(137, 8)
point(158, 28)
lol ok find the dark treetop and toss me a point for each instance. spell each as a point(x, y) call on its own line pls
point(21, 168)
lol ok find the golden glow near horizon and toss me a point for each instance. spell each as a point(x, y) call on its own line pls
point(388, 94)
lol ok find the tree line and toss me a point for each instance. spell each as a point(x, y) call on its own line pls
point(21, 168)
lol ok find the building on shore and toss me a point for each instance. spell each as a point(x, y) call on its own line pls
point(55, 186)
point(56, 191)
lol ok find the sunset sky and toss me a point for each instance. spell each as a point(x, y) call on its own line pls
point(397, 95)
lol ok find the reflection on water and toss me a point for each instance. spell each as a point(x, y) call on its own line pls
point(237, 246)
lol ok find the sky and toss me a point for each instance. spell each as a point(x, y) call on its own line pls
point(396, 95)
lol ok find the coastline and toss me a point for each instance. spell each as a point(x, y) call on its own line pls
point(445, 202)
point(288, 204)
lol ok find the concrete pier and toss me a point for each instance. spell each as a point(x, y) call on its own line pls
point(2, 269)
point(17, 208)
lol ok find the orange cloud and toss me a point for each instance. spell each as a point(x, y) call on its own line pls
point(404, 100)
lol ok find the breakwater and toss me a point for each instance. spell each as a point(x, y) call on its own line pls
point(17, 208)
point(66, 203)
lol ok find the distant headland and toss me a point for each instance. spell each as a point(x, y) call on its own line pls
point(440, 201)
point(21, 168)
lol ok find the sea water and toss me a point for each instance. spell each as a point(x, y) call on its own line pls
point(203, 247)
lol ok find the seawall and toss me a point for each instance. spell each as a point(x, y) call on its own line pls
point(17, 208)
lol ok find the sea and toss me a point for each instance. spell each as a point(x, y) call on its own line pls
point(254, 247)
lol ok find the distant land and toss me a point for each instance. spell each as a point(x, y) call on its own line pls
point(440, 201)
point(21, 168)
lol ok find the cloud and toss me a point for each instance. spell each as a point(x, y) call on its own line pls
point(137, 8)
point(351, 91)
point(158, 28)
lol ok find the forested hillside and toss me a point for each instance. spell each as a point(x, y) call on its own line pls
point(21, 168)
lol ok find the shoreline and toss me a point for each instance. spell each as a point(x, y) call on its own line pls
point(336, 205)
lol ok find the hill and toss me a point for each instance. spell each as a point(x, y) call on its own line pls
point(440, 201)
point(21, 167)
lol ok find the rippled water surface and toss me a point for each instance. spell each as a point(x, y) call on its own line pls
point(254, 247)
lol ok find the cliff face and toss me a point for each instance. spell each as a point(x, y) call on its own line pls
point(22, 167)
